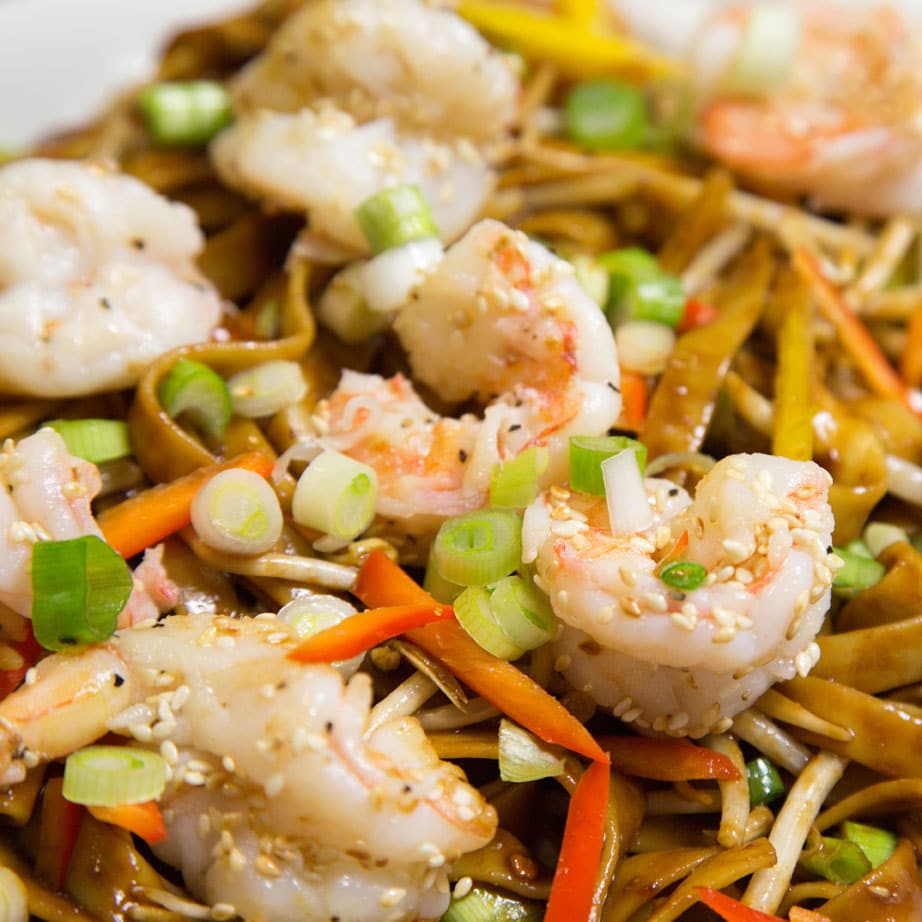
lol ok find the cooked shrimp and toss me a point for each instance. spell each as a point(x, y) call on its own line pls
point(292, 740)
point(842, 126)
point(684, 662)
point(423, 66)
point(97, 279)
point(501, 321)
point(45, 494)
point(326, 165)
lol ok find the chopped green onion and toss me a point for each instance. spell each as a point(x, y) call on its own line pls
point(475, 615)
point(523, 612)
point(765, 783)
point(838, 860)
point(343, 309)
point(880, 535)
point(644, 346)
point(767, 50)
point(479, 548)
point(606, 115)
point(860, 572)
point(79, 588)
point(14, 899)
point(523, 757)
point(269, 320)
point(625, 493)
point(390, 278)
point(684, 575)
point(514, 483)
point(95, 440)
point(439, 588)
point(483, 905)
point(266, 388)
point(859, 548)
point(587, 454)
point(107, 776)
point(194, 390)
point(238, 512)
point(336, 495)
point(592, 276)
point(640, 289)
point(310, 614)
point(186, 113)
point(877, 844)
point(395, 216)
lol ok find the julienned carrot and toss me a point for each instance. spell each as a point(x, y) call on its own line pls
point(697, 313)
point(667, 760)
point(144, 820)
point(911, 357)
point(151, 516)
point(381, 582)
point(580, 852)
point(633, 400)
point(730, 909)
point(858, 342)
point(365, 630)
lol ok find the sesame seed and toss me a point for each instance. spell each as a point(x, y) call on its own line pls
point(266, 867)
point(221, 912)
point(562, 662)
point(463, 887)
point(228, 764)
point(623, 705)
point(723, 725)
point(631, 715)
point(236, 860)
point(203, 825)
point(169, 752)
point(274, 785)
point(392, 897)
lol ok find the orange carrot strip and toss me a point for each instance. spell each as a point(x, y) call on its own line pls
point(911, 357)
point(729, 909)
point(697, 313)
point(151, 516)
point(633, 399)
point(367, 629)
point(144, 820)
point(381, 582)
point(581, 850)
point(856, 339)
point(667, 760)
point(798, 914)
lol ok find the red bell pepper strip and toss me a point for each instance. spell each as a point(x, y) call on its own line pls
point(367, 629)
point(59, 828)
point(381, 582)
point(30, 650)
point(633, 400)
point(697, 313)
point(144, 820)
point(729, 909)
point(573, 886)
point(667, 760)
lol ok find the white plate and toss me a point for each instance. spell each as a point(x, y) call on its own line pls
point(63, 60)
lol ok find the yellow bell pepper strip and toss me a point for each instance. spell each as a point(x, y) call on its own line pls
point(381, 582)
point(576, 50)
point(793, 418)
point(581, 12)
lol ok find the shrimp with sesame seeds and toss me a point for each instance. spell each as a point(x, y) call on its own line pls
point(502, 322)
point(683, 659)
point(45, 494)
point(277, 781)
point(97, 279)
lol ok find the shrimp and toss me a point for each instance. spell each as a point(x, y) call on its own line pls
point(97, 279)
point(425, 67)
point(685, 661)
point(842, 126)
point(500, 321)
point(45, 494)
point(275, 774)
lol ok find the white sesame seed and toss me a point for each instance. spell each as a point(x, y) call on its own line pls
point(463, 887)
point(236, 860)
point(221, 912)
point(631, 715)
point(274, 785)
point(169, 752)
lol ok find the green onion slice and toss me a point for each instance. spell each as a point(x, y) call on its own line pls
point(877, 844)
point(684, 575)
point(767, 50)
point(859, 573)
point(514, 483)
point(266, 388)
point(395, 216)
point(587, 454)
point(186, 113)
point(880, 535)
point(838, 860)
point(523, 757)
point(439, 588)
point(96, 440)
point(765, 782)
point(79, 588)
point(106, 776)
point(475, 615)
point(523, 612)
point(14, 899)
point(336, 495)
point(481, 904)
point(606, 115)
point(479, 548)
point(194, 390)
point(640, 290)
point(310, 614)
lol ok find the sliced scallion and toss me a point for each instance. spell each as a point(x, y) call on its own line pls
point(343, 309)
point(395, 216)
point(523, 612)
point(684, 575)
point(187, 113)
point(192, 389)
point(479, 548)
point(767, 50)
point(514, 483)
point(765, 784)
point(876, 843)
point(640, 289)
point(238, 512)
point(523, 757)
point(389, 279)
point(106, 776)
point(96, 440)
point(592, 276)
point(266, 388)
point(481, 904)
point(606, 115)
point(859, 572)
point(475, 614)
point(880, 535)
point(587, 454)
point(436, 585)
point(625, 494)
point(14, 899)
point(336, 495)
point(79, 588)
point(310, 614)
point(838, 860)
